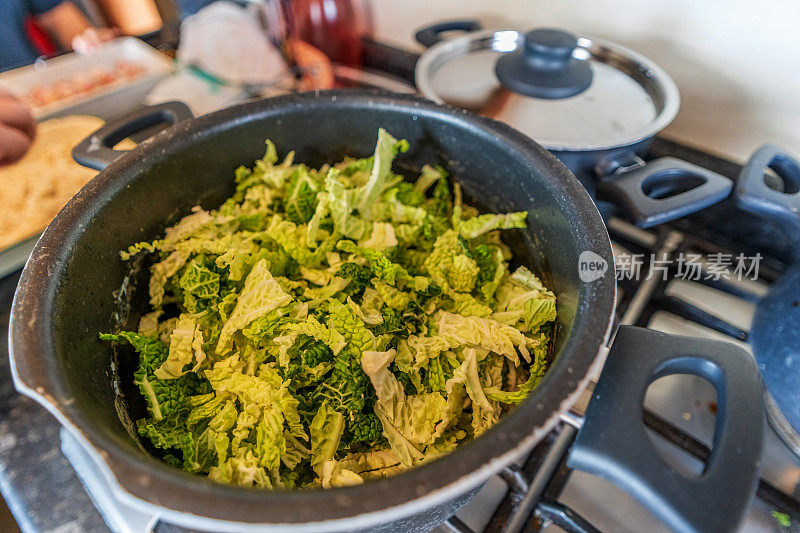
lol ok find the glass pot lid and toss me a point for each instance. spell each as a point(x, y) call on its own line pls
point(566, 92)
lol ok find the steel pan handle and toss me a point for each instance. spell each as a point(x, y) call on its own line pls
point(660, 190)
point(614, 445)
point(430, 35)
point(97, 150)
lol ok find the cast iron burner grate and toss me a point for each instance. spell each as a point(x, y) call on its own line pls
point(534, 488)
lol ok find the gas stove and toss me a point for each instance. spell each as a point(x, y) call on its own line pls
point(542, 493)
point(42, 488)
point(680, 410)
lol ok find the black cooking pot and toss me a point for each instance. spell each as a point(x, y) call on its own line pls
point(74, 286)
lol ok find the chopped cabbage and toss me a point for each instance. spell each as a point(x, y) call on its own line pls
point(329, 326)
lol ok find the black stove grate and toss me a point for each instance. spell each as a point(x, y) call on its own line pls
point(534, 489)
point(548, 510)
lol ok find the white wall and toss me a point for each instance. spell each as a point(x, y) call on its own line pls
point(736, 62)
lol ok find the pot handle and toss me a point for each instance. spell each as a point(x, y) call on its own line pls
point(613, 443)
point(430, 35)
point(660, 190)
point(97, 150)
point(754, 195)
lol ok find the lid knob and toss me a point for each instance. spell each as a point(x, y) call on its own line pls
point(544, 66)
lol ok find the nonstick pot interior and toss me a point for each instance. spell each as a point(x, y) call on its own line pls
point(70, 289)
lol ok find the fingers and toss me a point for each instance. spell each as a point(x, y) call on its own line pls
point(14, 115)
point(317, 68)
point(91, 39)
point(8, 95)
point(17, 129)
point(86, 41)
point(110, 33)
point(13, 144)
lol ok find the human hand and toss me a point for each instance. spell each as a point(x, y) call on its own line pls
point(91, 39)
point(17, 128)
point(317, 70)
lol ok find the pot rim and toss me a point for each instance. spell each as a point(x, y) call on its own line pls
point(184, 496)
